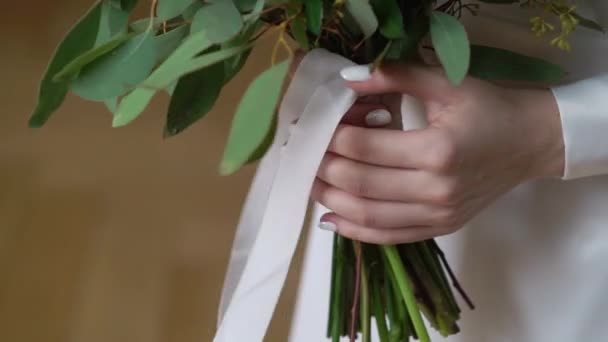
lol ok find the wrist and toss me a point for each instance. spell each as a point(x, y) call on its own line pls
point(540, 111)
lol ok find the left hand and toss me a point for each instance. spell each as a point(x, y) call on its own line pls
point(388, 186)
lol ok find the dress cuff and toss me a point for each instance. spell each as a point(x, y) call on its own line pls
point(583, 109)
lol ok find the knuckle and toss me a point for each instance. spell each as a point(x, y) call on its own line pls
point(361, 186)
point(366, 217)
point(447, 219)
point(356, 181)
point(446, 194)
point(444, 154)
point(360, 149)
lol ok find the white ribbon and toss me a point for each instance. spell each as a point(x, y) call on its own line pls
point(275, 209)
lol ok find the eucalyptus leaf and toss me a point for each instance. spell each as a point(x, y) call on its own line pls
point(190, 12)
point(451, 44)
point(193, 97)
point(169, 9)
point(364, 15)
point(188, 49)
point(252, 18)
point(167, 42)
point(113, 21)
point(143, 25)
point(314, 15)
point(165, 77)
point(80, 38)
point(220, 20)
point(111, 104)
point(234, 64)
point(180, 63)
point(116, 73)
point(70, 71)
point(254, 118)
point(245, 5)
point(128, 5)
point(260, 152)
point(132, 105)
point(171, 88)
point(389, 18)
point(298, 29)
point(496, 64)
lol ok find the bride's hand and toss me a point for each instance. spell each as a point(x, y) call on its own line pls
point(387, 186)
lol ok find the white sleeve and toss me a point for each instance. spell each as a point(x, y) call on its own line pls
point(583, 107)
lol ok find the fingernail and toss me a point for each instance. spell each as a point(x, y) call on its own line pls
point(378, 117)
point(329, 226)
point(357, 73)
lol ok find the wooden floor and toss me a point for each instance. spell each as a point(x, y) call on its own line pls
point(109, 235)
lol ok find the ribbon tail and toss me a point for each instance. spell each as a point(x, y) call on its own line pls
point(316, 68)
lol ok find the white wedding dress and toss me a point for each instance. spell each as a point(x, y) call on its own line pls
point(536, 261)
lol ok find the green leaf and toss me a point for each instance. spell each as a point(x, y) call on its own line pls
point(113, 22)
point(314, 15)
point(298, 29)
point(80, 39)
point(193, 97)
point(364, 15)
point(116, 73)
point(167, 42)
point(162, 77)
point(254, 118)
point(173, 72)
point(171, 88)
point(70, 71)
point(176, 66)
point(245, 5)
point(132, 105)
point(190, 12)
point(168, 9)
point(143, 25)
point(220, 20)
point(260, 152)
point(496, 64)
point(389, 17)
point(234, 64)
point(128, 5)
point(112, 104)
point(451, 44)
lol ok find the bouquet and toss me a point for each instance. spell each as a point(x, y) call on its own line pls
point(191, 48)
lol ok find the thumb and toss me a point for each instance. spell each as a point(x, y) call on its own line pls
point(419, 81)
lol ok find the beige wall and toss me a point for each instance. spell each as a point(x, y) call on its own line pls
point(108, 235)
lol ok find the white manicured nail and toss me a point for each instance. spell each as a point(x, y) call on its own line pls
point(357, 73)
point(378, 117)
point(329, 226)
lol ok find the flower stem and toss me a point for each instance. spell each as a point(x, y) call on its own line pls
point(365, 311)
point(407, 292)
point(353, 312)
point(379, 314)
point(336, 315)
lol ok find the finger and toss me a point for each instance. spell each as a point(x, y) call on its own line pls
point(368, 115)
point(384, 183)
point(419, 81)
point(357, 232)
point(372, 213)
point(425, 148)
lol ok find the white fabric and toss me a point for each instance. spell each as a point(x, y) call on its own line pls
point(583, 121)
point(275, 209)
point(534, 261)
